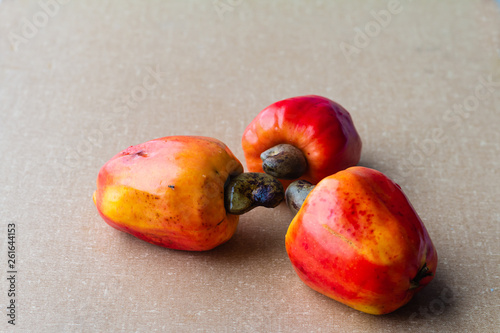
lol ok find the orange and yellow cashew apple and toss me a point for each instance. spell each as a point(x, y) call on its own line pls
point(306, 137)
point(357, 239)
point(172, 192)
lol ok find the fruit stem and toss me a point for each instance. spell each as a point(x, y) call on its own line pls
point(284, 161)
point(251, 189)
point(296, 193)
point(422, 273)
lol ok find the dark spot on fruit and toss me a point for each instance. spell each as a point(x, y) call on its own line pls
point(172, 187)
point(141, 153)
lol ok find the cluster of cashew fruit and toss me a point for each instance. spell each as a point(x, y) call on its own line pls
point(355, 236)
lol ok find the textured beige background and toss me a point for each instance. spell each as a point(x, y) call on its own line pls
point(63, 114)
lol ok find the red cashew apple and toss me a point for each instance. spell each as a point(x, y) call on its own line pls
point(306, 137)
point(180, 192)
point(357, 239)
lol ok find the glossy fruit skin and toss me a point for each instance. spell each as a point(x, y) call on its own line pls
point(358, 240)
point(321, 128)
point(170, 192)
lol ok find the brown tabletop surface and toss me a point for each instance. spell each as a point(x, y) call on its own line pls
point(421, 80)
